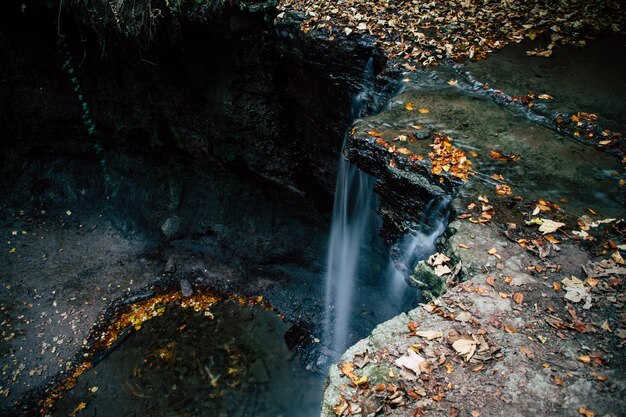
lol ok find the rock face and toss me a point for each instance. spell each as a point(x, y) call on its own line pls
point(215, 148)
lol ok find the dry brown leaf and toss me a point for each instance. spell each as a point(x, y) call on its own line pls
point(527, 352)
point(508, 329)
point(584, 358)
point(518, 297)
point(491, 280)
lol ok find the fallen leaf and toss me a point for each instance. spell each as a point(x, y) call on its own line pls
point(549, 226)
point(508, 329)
point(465, 348)
point(348, 370)
point(518, 297)
point(494, 252)
point(437, 259)
point(453, 82)
point(585, 412)
point(429, 334)
point(441, 270)
point(617, 257)
point(584, 358)
point(424, 111)
point(360, 381)
point(491, 280)
point(576, 291)
point(463, 316)
point(503, 189)
point(478, 367)
point(80, 406)
point(527, 352)
point(411, 361)
point(409, 106)
point(341, 407)
point(374, 133)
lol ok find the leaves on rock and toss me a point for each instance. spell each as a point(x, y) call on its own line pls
point(465, 348)
point(411, 360)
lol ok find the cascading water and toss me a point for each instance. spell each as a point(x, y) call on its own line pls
point(417, 245)
point(352, 211)
point(353, 217)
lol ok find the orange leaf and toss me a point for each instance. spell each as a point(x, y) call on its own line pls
point(518, 297)
point(585, 412)
point(348, 370)
point(491, 280)
point(424, 111)
point(409, 106)
point(509, 329)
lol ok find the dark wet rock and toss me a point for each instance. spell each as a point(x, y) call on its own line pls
point(404, 189)
point(298, 335)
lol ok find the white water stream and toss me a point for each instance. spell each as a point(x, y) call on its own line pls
point(354, 216)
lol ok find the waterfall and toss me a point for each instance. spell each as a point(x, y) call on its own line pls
point(352, 210)
point(418, 244)
point(353, 217)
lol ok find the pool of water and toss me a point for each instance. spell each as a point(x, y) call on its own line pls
point(184, 363)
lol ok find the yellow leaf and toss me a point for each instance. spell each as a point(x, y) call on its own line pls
point(360, 381)
point(348, 370)
point(584, 359)
point(585, 412)
point(453, 82)
point(80, 406)
point(424, 111)
point(409, 106)
point(403, 151)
